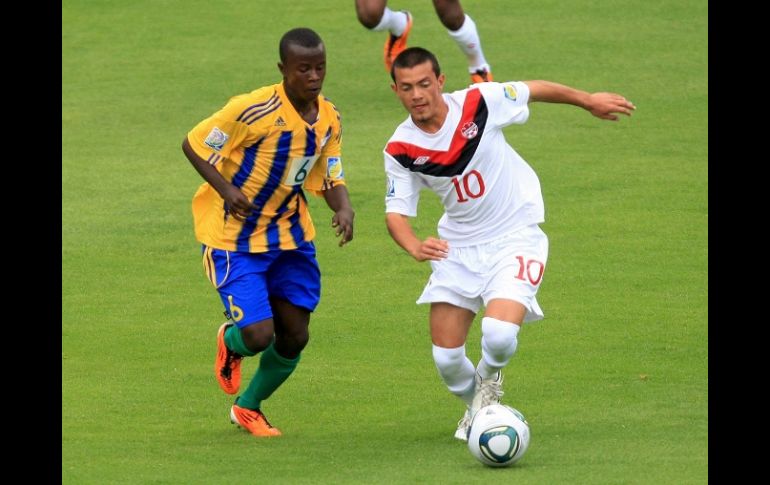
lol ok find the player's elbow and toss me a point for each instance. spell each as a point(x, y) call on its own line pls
point(392, 218)
point(396, 223)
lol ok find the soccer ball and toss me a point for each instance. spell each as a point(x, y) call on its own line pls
point(499, 435)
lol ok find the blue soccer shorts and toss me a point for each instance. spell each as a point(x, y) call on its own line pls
point(247, 281)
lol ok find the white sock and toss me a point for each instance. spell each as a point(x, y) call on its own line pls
point(395, 22)
point(457, 371)
point(498, 343)
point(467, 38)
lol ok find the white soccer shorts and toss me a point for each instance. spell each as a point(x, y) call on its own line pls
point(510, 267)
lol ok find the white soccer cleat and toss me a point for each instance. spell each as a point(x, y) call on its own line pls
point(488, 391)
point(463, 426)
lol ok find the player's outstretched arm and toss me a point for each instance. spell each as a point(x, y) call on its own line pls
point(606, 106)
point(401, 231)
point(338, 200)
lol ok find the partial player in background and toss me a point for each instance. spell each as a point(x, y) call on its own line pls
point(490, 250)
point(375, 15)
point(257, 154)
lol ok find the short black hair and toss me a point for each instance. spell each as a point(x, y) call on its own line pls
point(300, 36)
point(413, 56)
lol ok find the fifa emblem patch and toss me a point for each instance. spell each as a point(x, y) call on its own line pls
point(469, 130)
point(216, 139)
point(334, 168)
point(510, 92)
point(391, 188)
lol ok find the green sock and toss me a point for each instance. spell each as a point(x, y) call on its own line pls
point(273, 370)
point(234, 342)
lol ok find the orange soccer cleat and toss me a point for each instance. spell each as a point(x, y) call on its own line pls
point(481, 76)
point(396, 45)
point(227, 365)
point(253, 421)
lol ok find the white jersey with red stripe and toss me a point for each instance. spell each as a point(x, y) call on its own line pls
point(487, 189)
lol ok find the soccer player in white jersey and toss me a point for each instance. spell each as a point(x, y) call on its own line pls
point(490, 250)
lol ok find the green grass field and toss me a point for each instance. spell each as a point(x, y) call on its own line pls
point(614, 382)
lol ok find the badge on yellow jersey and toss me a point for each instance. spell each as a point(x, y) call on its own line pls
point(216, 138)
point(334, 168)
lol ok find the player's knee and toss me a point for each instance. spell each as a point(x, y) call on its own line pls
point(291, 344)
point(299, 339)
point(257, 336)
point(368, 17)
point(450, 12)
point(499, 340)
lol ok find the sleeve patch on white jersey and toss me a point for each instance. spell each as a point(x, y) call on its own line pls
point(391, 192)
point(510, 92)
point(216, 139)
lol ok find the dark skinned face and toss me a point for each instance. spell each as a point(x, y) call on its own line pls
point(303, 72)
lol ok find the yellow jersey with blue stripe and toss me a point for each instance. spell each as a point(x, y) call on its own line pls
point(260, 144)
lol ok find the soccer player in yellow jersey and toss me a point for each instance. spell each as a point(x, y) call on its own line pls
point(257, 154)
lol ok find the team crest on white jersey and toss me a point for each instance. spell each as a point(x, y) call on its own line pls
point(216, 139)
point(421, 160)
point(469, 130)
point(510, 92)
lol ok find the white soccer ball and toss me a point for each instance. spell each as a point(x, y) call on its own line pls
point(499, 435)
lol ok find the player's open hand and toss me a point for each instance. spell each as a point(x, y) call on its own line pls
point(342, 220)
point(432, 249)
point(606, 105)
